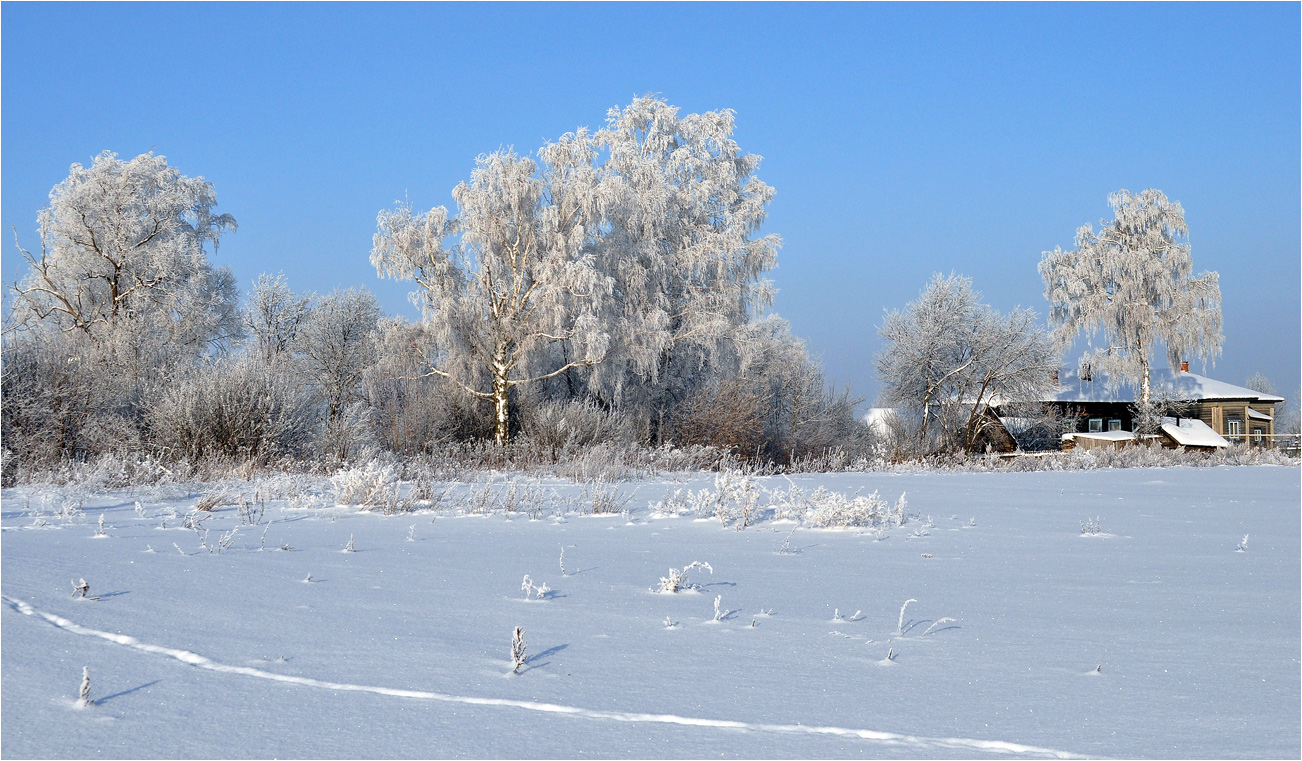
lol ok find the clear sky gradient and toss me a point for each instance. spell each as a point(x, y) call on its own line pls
point(902, 139)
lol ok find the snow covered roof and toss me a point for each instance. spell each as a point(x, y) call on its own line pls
point(1183, 385)
point(1101, 435)
point(1258, 415)
point(876, 417)
point(1188, 432)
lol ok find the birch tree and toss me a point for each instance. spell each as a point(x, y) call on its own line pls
point(1133, 282)
point(511, 274)
point(682, 243)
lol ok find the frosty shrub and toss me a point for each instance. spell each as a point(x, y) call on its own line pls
point(237, 408)
point(55, 407)
point(412, 411)
point(737, 498)
point(600, 497)
point(565, 427)
point(371, 485)
point(728, 415)
point(828, 509)
point(675, 580)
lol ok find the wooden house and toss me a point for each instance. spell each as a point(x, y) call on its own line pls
point(1238, 414)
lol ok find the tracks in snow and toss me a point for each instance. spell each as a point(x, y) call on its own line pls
point(885, 738)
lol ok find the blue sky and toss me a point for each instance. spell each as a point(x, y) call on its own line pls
point(902, 139)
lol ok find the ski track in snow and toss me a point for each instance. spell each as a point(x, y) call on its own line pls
point(885, 738)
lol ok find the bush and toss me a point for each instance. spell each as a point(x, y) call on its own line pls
point(57, 405)
point(236, 408)
point(565, 427)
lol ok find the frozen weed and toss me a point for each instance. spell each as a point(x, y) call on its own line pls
point(83, 699)
point(899, 628)
point(372, 485)
point(938, 622)
point(674, 582)
point(785, 548)
point(517, 650)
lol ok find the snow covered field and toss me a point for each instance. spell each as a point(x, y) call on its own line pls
point(1151, 638)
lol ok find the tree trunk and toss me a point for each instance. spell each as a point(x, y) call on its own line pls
point(501, 399)
point(1145, 388)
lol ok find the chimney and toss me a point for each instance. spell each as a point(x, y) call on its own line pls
point(1184, 366)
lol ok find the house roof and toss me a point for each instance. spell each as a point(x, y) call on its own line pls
point(877, 416)
point(1101, 435)
point(1189, 432)
point(1258, 415)
point(1190, 386)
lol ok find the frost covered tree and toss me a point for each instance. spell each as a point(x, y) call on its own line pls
point(949, 359)
point(123, 258)
point(335, 346)
point(1133, 281)
point(120, 296)
point(681, 243)
point(273, 316)
point(619, 270)
point(1286, 415)
point(804, 415)
point(510, 275)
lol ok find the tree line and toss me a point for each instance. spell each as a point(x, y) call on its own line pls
point(609, 288)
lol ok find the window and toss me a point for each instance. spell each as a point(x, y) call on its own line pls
point(1256, 436)
point(1114, 425)
point(1096, 425)
point(1233, 428)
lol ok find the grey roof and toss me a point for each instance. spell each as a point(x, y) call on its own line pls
point(1190, 386)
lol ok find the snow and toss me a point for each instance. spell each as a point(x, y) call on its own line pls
point(877, 417)
point(402, 648)
point(1255, 415)
point(1183, 385)
point(1101, 435)
point(1189, 432)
